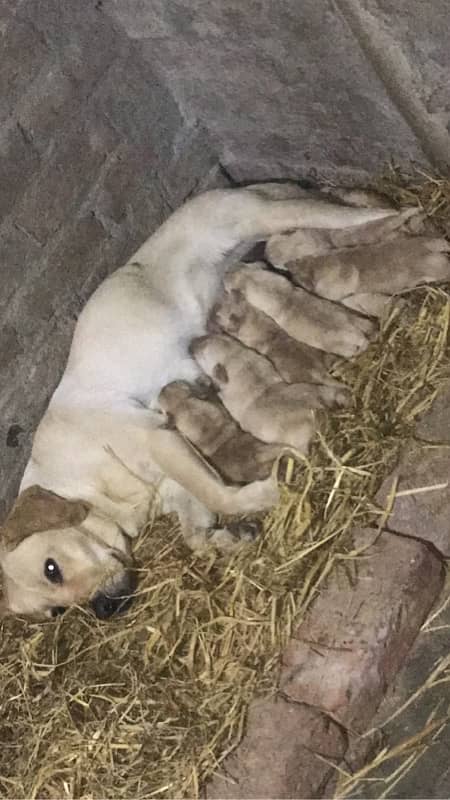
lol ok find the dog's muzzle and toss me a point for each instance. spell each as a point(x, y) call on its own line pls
point(117, 599)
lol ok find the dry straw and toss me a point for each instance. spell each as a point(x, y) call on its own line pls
point(150, 705)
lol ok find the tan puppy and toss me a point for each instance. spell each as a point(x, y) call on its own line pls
point(296, 362)
point(236, 455)
point(254, 394)
point(285, 247)
point(365, 277)
point(308, 319)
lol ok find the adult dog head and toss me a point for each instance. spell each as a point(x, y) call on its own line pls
point(55, 553)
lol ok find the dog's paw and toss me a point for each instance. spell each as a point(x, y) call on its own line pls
point(234, 535)
point(245, 530)
point(257, 496)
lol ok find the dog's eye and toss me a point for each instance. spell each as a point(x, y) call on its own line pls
point(52, 572)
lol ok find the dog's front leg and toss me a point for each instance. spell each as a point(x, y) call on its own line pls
point(198, 525)
point(180, 461)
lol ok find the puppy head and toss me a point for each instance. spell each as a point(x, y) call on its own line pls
point(284, 247)
point(56, 553)
point(229, 314)
point(237, 277)
point(209, 352)
point(303, 272)
point(173, 395)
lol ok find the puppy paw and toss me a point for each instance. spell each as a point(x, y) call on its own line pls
point(350, 343)
point(236, 277)
point(337, 395)
point(438, 245)
point(367, 326)
point(371, 304)
point(436, 263)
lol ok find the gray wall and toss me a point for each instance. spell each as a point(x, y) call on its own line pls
point(113, 111)
point(286, 86)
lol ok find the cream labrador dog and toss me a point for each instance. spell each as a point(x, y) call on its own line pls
point(102, 452)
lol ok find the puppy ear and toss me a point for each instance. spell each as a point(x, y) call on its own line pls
point(237, 296)
point(220, 374)
point(36, 509)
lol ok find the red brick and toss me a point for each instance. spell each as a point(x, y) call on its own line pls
point(284, 754)
point(356, 637)
point(425, 514)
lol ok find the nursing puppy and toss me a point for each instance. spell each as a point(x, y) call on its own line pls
point(103, 441)
point(294, 361)
point(236, 455)
point(256, 397)
point(286, 247)
point(312, 320)
point(364, 278)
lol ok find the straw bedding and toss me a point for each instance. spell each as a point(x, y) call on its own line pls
point(150, 704)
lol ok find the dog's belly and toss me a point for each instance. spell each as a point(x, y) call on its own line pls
point(132, 339)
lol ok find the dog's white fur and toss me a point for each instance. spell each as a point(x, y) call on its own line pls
point(102, 438)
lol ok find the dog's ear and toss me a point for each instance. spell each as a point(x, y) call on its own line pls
point(36, 509)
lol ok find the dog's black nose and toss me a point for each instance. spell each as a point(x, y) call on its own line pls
point(105, 606)
point(116, 600)
point(56, 611)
